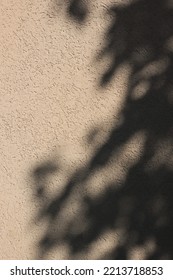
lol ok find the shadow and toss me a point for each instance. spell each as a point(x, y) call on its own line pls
point(78, 10)
point(141, 206)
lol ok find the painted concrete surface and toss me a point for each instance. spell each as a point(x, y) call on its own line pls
point(48, 103)
point(54, 111)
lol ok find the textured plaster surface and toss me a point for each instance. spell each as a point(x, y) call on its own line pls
point(49, 101)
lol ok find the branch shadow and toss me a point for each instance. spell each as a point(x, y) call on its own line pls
point(140, 34)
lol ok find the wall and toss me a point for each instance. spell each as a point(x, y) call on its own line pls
point(55, 115)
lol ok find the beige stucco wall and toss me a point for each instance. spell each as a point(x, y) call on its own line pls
point(50, 101)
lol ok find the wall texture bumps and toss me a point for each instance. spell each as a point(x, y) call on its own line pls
point(52, 110)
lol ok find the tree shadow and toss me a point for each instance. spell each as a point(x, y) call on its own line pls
point(77, 10)
point(141, 35)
